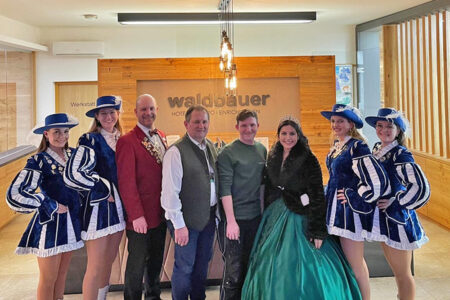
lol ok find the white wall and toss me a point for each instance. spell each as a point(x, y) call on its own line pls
point(18, 30)
point(51, 69)
point(186, 41)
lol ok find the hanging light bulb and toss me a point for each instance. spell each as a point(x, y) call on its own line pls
point(233, 83)
point(226, 59)
point(225, 45)
point(233, 80)
point(224, 50)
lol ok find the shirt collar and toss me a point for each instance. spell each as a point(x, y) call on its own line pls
point(115, 134)
point(56, 157)
point(144, 129)
point(201, 145)
point(382, 151)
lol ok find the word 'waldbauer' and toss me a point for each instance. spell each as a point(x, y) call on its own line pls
point(220, 101)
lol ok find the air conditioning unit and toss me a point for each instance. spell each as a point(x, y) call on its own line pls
point(89, 48)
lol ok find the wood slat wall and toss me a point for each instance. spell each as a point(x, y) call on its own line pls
point(315, 75)
point(416, 72)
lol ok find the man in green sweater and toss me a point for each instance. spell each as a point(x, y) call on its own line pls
point(240, 165)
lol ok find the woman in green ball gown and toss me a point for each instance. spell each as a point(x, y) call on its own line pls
point(292, 257)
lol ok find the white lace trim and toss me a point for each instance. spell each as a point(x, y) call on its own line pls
point(103, 232)
point(355, 236)
point(337, 147)
point(51, 251)
point(111, 137)
point(379, 153)
point(56, 156)
point(402, 245)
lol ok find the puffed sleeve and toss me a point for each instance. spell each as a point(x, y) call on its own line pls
point(22, 196)
point(416, 192)
point(317, 207)
point(372, 179)
point(80, 171)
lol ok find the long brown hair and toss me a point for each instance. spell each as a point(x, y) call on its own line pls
point(401, 137)
point(96, 126)
point(45, 144)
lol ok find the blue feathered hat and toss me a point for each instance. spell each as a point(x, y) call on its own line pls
point(105, 102)
point(56, 120)
point(390, 115)
point(345, 111)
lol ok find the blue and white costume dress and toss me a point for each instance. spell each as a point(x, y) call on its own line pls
point(92, 168)
point(398, 225)
point(353, 168)
point(48, 232)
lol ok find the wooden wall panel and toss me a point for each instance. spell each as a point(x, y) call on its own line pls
point(389, 57)
point(431, 63)
point(419, 85)
point(8, 172)
point(444, 103)
point(16, 70)
point(315, 74)
point(8, 116)
point(438, 38)
point(422, 85)
point(438, 174)
point(75, 98)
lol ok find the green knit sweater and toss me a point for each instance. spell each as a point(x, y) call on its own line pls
point(241, 168)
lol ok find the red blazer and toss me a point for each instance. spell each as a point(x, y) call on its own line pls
point(140, 177)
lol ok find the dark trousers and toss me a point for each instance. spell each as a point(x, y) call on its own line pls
point(236, 254)
point(191, 262)
point(145, 255)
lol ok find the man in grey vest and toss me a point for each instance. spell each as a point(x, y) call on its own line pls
point(189, 198)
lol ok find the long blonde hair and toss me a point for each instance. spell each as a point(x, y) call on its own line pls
point(353, 132)
point(96, 126)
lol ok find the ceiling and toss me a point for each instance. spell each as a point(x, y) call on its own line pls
point(69, 13)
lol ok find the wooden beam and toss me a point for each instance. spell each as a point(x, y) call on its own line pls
point(426, 122)
point(389, 62)
point(439, 83)
point(445, 110)
point(409, 79)
point(432, 95)
point(419, 106)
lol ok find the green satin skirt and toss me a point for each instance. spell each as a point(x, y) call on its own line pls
point(285, 265)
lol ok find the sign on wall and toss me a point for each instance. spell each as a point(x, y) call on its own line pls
point(344, 84)
point(76, 99)
point(271, 98)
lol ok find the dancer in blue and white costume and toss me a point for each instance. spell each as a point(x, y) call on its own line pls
point(54, 230)
point(395, 219)
point(356, 182)
point(92, 168)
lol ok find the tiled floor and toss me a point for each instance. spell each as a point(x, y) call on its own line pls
point(19, 274)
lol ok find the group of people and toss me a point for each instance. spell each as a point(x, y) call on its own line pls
point(281, 234)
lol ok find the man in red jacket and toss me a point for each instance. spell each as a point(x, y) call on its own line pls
point(139, 155)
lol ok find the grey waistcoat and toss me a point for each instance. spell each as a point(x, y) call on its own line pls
point(195, 191)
